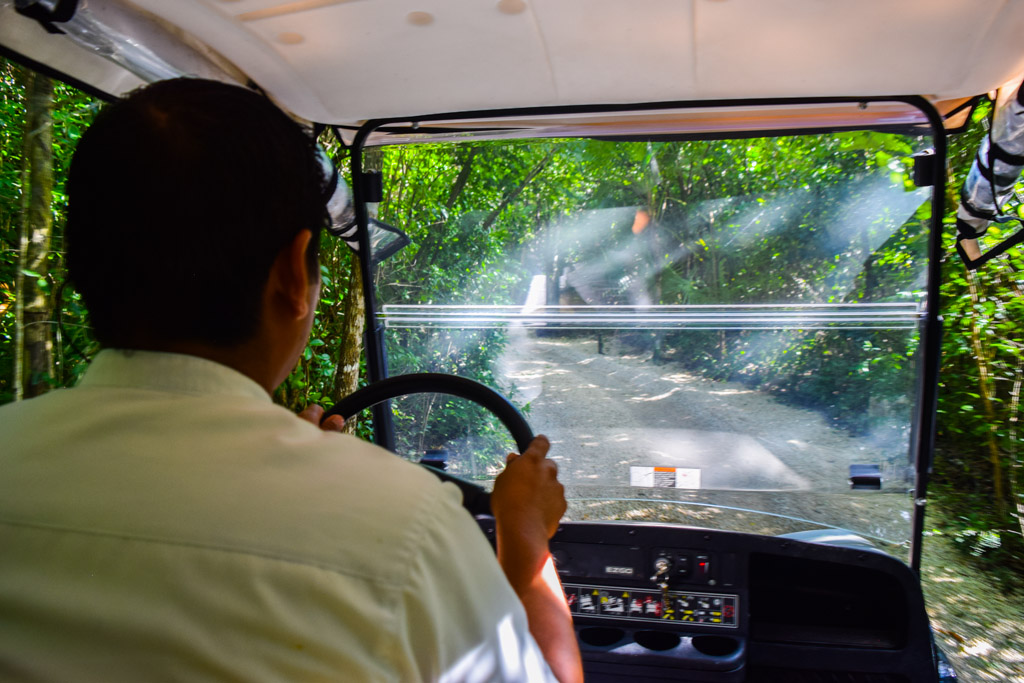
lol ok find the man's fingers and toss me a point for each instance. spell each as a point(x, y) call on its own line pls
point(312, 414)
point(335, 423)
point(315, 413)
point(539, 447)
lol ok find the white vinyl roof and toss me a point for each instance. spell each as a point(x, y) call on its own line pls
point(345, 61)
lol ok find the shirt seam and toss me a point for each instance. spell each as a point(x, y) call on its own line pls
point(207, 392)
point(109, 375)
point(197, 545)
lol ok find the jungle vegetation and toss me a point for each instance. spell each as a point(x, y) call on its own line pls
point(466, 207)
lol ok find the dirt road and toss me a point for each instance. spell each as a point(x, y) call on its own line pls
point(608, 414)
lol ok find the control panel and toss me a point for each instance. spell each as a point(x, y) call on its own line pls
point(654, 566)
point(656, 603)
point(634, 605)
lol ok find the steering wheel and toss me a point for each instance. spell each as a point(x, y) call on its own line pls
point(474, 497)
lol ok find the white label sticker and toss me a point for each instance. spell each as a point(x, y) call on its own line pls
point(665, 477)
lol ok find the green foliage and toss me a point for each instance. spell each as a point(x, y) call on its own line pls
point(11, 131)
point(461, 230)
point(979, 411)
point(72, 113)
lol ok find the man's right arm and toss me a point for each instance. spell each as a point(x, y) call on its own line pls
point(528, 502)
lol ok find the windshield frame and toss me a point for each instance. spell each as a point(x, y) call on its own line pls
point(924, 422)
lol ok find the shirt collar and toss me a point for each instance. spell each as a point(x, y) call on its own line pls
point(169, 372)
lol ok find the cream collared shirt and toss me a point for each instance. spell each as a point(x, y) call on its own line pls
point(165, 521)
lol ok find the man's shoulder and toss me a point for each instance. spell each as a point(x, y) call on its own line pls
point(244, 477)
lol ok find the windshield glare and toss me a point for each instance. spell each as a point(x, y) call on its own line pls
point(712, 333)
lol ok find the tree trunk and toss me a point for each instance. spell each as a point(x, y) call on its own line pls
point(981, 362)
point(460, 181)
point(346, 374)
point(34, 333)
point(511, 196)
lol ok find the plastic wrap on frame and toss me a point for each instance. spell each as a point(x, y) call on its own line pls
point(995, 170)
point(339, 203)
point(385, 240)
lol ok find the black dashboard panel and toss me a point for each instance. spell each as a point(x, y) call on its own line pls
point(655, 602)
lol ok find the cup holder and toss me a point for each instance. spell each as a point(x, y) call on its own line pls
point(658, 640)
point(600, 636)
point(715, 646)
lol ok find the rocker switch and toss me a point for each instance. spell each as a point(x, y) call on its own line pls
point(702, 570)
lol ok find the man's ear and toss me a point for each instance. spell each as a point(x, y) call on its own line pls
point(289, 276)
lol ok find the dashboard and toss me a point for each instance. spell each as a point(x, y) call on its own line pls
point(655, 602)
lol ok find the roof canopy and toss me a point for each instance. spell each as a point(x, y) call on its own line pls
point(345, 61)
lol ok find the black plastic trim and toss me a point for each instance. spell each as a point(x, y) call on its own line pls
point(998, 250)
point(376, 354)
point(374, 124)
point(931, 340)
point(970, 104)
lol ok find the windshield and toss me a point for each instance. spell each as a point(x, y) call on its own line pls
point(712, 333)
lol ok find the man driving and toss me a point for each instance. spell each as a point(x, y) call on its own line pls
point(165, 520)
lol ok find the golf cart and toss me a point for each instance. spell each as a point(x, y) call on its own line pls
point(696, 243)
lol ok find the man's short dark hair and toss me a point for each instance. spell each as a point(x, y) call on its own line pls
point(180, 197)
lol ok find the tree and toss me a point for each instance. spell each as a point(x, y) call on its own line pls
point(12, 107)
point(34, 336)
point(40, 123)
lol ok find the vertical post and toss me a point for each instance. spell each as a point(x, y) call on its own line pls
point(376, 355)
point(931, 341)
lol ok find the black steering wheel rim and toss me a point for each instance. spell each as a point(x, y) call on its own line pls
point(474, 497)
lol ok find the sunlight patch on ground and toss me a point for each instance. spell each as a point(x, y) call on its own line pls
point(728, 460)
point(659, 397)
point(680, 378)
point(979, 649)
point(552, 342)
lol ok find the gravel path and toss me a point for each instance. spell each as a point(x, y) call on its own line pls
point(773, 457)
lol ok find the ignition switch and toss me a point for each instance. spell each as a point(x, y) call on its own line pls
point(671, 565)
point(662, 566)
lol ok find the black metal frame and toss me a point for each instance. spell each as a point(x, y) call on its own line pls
point(39, 67)
point(923, 439)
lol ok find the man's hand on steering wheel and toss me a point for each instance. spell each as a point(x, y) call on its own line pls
point(528, 503)
point(527, 496)
point(314, 413)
